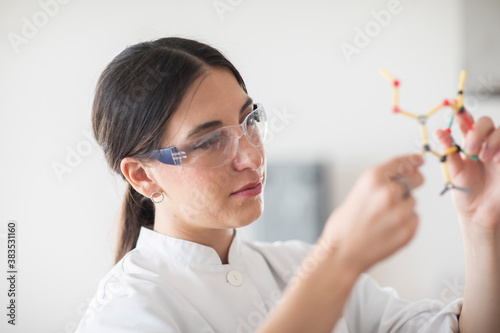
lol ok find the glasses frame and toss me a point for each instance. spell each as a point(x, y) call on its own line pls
point(173, 156)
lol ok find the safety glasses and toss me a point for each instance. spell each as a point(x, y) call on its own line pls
point(218, 147)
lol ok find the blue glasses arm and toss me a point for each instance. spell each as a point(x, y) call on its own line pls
point(169, 155)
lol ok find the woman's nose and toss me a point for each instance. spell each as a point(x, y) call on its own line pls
point(248, 156)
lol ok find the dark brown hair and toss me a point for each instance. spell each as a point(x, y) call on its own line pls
point(136, 95)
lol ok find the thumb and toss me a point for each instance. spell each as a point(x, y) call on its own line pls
point(453, 159)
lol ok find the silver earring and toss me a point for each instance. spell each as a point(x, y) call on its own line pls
point(157, 201)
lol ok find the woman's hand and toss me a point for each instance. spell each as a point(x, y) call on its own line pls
point(482, 177)
point(479, 216)
point(377, 218)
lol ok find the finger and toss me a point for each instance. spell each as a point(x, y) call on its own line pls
point(408, 232)
point(464, 121)
point(491, 148)
point(402, 166)
point(406, 208)
point(415, 180)
point(400, 229)
point(406, 185)
point(480, 131)
point(395, 175)
point(401, 187)
point(405, 220)
point(454, 160)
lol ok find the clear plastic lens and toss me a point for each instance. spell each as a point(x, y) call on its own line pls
point(209, 150)
point(255, 126)
point(219, 147)
point(214, 141)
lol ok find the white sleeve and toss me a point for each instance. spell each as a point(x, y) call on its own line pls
point(373, 309)
point(122, 306)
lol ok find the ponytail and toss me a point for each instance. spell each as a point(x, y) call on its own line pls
point(137, 211)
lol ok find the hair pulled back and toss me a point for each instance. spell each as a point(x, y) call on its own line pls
point(135, 97)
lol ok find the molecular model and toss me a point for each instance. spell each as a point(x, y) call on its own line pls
point(458, 110)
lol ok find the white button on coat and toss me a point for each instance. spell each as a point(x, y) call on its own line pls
point(235, 278)
point(172, 285)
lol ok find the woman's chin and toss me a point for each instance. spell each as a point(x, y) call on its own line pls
point(248, 213)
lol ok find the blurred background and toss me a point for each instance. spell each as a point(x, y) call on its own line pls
point(313, 64)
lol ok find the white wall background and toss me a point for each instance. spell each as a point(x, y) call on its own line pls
point(289, 54)
point(481, 39)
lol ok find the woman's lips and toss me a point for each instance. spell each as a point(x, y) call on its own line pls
point(249, 190)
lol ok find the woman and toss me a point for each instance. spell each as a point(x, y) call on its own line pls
point(174, 119)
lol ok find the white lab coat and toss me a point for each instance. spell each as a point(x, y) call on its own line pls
point(171, 285)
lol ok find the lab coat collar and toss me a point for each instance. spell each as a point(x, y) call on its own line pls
point(184, 251)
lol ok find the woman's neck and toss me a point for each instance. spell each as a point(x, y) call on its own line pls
point(218, 239)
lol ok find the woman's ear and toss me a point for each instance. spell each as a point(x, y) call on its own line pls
point(137, 175)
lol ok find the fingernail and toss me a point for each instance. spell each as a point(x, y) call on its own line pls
point(416, 159)
point(470, 147)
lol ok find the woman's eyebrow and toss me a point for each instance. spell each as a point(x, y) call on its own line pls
point(214, 123)
point(247, 103)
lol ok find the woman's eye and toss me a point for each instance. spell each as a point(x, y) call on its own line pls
point(212, 141)
point(253, 118)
